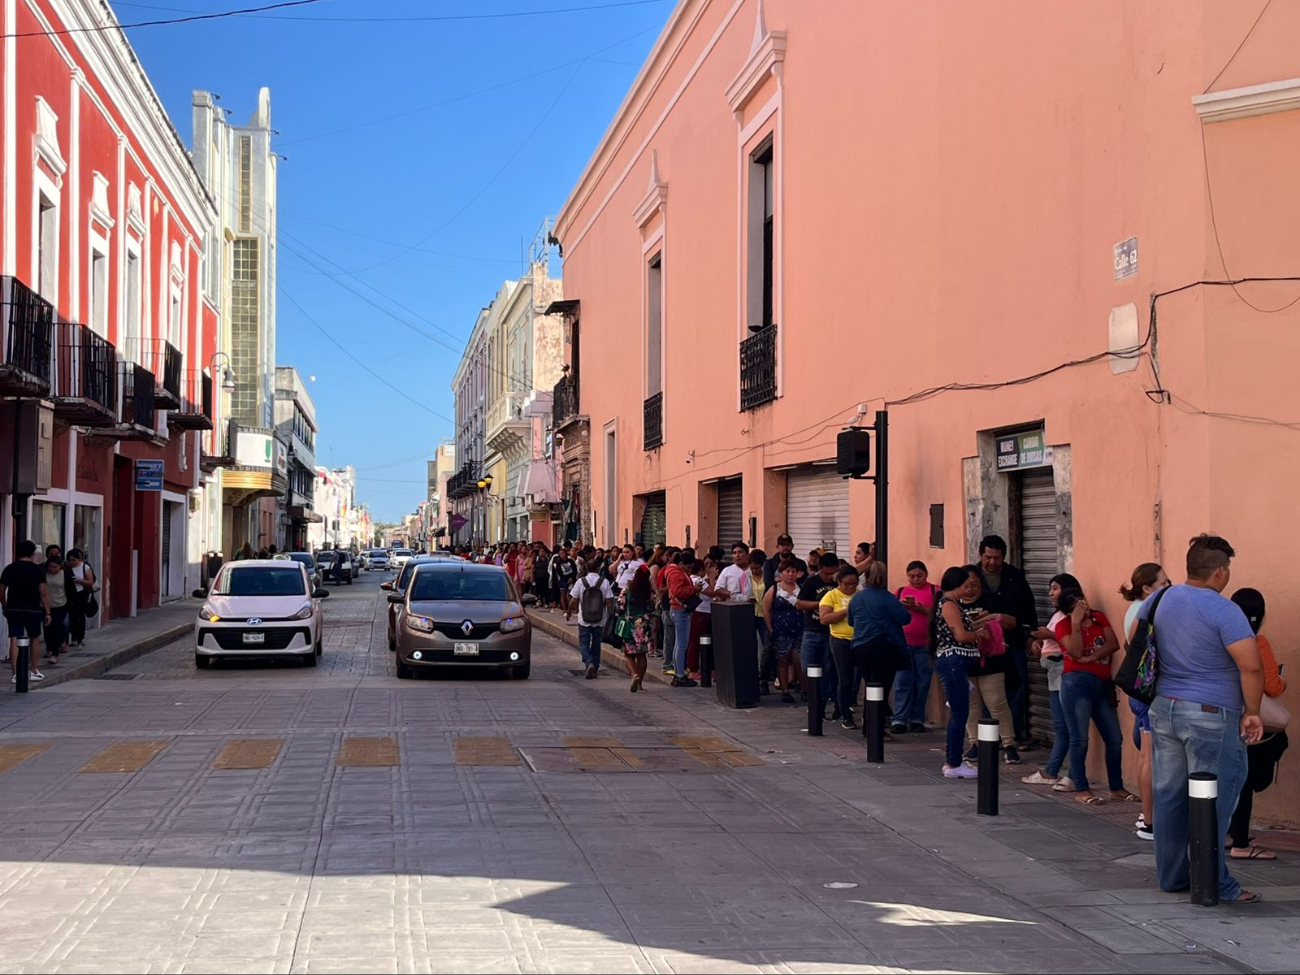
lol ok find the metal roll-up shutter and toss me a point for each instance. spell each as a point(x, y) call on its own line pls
point(817, 510)
point(654, 520)
point(1039, 559)
point(731, 512)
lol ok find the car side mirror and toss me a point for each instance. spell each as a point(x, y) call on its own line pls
point(386, 586)
point(200, 594)
point(395, 597)
point(529, 599)
point(320, 594)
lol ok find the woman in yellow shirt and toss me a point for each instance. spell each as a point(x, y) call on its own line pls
point(766, 658)
point(834, 612)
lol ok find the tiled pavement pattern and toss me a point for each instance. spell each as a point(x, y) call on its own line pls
point(549, 825)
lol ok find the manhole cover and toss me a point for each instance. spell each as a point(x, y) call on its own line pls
point(117, 677)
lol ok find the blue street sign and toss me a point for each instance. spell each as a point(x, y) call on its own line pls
point(148, 475)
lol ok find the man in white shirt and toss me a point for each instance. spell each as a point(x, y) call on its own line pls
point(594, 596)
point(627, 566)
point(735, 577)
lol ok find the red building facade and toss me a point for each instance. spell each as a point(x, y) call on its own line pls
point(110, 315)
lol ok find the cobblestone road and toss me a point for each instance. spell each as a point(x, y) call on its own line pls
point(270, 818)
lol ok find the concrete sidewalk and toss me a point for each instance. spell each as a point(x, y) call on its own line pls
point(119, 641)
point(553, 623)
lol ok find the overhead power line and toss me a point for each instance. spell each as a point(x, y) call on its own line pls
point(187, 19)
point(430, 18)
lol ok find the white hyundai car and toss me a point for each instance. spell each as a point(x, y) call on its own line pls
point(400, 557)
point(259, 608)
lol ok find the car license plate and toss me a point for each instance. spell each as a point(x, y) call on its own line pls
point(254, 637)
point(465, 650)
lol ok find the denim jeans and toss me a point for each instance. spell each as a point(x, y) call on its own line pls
point(766, 655)
point(589, 644)
point(1188, 739)
point(1060, 738)
point(815, 651)
point(912, 687)
point(1085, 696)
point(1018, 688)
point(670, 639)
point(682, 639)
point(955, 679)
point(846, 688)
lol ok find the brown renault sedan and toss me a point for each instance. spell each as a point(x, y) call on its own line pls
point(457, 614)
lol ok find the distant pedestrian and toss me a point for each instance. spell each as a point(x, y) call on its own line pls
point(1052, 659)
point(636, 604)
point(864, 553)
point(758, 589)
point(912, 686)
point(565, 568)
point(594, 597)
point(58, 585)
point(1146, 579)
point(878, 619)
point(834, 613)
point(1011, 597)
point(83, 577)
point(785, 623)
point(988, 679)
point(784, 550)
point(1206, 712)
point(815, 651)
point(735, 579)
point(683, 596)
point(26, 605)
point(626, 567)
point(954, 638)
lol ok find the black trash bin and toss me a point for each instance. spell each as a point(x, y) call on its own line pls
point(735, 653)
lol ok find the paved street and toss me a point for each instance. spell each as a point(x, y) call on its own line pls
point(472, 824)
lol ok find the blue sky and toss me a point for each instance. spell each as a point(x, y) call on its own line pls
point(399, 180)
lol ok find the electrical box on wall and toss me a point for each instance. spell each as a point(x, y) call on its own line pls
point(29, 467)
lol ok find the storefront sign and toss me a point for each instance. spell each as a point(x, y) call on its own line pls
point(1026, 449)
point(1125, 254)
point(148, 475)
point(254, 449)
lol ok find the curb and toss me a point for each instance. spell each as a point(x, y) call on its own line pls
point(609, 657)
point(115, 658)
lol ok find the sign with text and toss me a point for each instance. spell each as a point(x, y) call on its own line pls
point(1025, 449)
point(148, 475)
point(1126, 258)
point(254, 449)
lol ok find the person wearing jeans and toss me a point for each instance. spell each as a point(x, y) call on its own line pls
point(955, 634)
point(954, 678)
point(912, 685)
point(677, 581)
point(589, 646)
point(815, 650)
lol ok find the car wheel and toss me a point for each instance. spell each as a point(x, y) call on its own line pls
point(309, 660)
point(202, 661)
point(392, 644)
point(403, 671)
point(320, 647)
point(522, 671)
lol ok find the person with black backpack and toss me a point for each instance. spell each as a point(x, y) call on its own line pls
point(912, 685)
point(594, 595)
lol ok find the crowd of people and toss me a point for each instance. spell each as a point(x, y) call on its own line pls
point(48, 602)
point(977, 632)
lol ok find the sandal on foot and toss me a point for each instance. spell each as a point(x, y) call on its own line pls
point(1038, 778)
point(1093, 800)
point(1246, 897)
point(1251, 853)
point(1125, 796)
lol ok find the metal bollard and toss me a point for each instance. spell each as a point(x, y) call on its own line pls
point(816, 709)
point(24, 663)
point(706, 660)
point(1204, 836)
point(987, 786)
point(873, 722)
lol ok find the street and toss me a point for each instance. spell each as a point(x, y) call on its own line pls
point(478, 824)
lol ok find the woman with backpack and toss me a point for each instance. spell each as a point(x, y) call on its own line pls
point(1146, 579)
point(912, 685)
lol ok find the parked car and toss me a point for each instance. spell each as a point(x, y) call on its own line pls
point(376, 558)
point(398, 585)
point(459, 614)
point(308, 560)
point(355, 564)
point(259, 608)
point(400, 557)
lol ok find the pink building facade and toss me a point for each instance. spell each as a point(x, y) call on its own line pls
point(993, 226)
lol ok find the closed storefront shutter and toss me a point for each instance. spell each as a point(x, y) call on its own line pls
point(817, 510)
point(654, 520)
point(1038, 556)
point(731, 512)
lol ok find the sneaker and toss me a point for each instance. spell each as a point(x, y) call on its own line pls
point(670, 671)
point(916, 727)
point(36, 675)
point(973, 753)
point(848, 722)
point(684, 682)
point(1145, 833)
point(960, 772)
point(13, 679)
point(898, 728)
point(1010, 755)
point(591, 672)
point(1141, 821)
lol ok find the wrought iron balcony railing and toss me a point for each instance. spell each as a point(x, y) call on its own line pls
point(564, 401)
point(758, 368)
point(164, 361)
point(84, 387)
point(139, 408)
point(195, 411)
point(26, 343)
point(653, 425)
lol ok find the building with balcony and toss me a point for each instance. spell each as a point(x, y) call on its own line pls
point(295, 424)
point(108, 315)
point(469, 501)
point(437, 515)
point(239, 171)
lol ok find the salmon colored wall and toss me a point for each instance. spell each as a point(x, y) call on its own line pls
point(952, 187)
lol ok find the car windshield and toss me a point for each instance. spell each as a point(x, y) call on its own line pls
point(402, 551)
point(303, 557)
point(404, 579)
point(443, 583)
point(260, 580)
point(377, 553)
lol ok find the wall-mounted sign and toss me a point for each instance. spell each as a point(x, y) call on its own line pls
point(148, 475)
point(254, 449)
point(1126, 258)
point(1025, 449)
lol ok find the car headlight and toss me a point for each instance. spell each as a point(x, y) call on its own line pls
point(208, 613)
point(304, 613)
point(421, 623)
point(512, 624)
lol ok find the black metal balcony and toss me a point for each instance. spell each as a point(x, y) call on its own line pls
point(653, 427)
point(758, 368)
point(84, 387)
point(163, 360)
point(215, 452)
point(195, 411)
point(464, 482)
point(564, 402)
point(27, 321)
point(139, 409)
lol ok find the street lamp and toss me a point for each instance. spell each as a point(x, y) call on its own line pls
point(227, 374)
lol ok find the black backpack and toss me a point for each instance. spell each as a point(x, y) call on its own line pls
point(1138, 673)
point(591, 605)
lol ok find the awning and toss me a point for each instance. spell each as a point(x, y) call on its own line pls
point(300, 512)
point(539, 483)
point(565, 307)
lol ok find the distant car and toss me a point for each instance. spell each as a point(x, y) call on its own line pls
point(355, 564)
point(308, 560)
point(376, 558)
point(328, 571)
point(459, 614)
point(400, 557)
point(259, 608)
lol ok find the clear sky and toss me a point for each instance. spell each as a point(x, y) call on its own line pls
point(470, 130)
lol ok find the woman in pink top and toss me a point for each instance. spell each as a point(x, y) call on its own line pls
point(912, 685)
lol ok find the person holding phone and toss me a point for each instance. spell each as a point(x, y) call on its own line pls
point(1052, 659)
point(912, 685)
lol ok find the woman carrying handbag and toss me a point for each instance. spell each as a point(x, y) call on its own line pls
point(1262, 757)
point(82, 603)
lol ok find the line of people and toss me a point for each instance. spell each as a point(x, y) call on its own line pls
point(47, 600)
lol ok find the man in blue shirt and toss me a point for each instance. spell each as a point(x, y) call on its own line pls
point(1209, 685)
